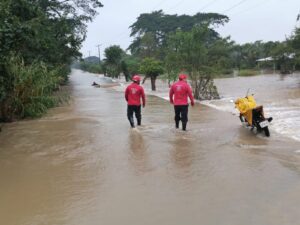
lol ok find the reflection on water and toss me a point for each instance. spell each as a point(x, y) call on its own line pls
point(138, 155)
point(182, 156)
point(83, 164)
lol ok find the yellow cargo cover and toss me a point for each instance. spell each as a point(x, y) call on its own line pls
point(245, 106)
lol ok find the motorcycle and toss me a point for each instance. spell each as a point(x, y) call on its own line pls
point(252, 115)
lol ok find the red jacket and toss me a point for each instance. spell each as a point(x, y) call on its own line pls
point(181, 91)
point(134, 93)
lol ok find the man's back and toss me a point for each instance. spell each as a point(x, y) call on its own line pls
point(181, 91)
point(134, 93)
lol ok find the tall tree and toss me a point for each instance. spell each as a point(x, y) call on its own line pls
point(130, 66)
point(113, 60)
point(160, 25)
point(200, 53)
point(151, 68)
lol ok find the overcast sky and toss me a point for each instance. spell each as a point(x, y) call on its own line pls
point(250, 20)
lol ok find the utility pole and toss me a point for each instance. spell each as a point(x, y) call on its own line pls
point(99, 52)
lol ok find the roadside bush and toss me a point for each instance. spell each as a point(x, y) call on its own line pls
point(91, 67)
point(29, 89)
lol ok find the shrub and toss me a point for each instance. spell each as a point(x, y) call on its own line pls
point(29, 89)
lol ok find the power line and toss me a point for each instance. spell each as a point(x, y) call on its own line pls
point(207, 5)
point(176, 5)
point(160, 3)
point(234, 6)
point(249, 9)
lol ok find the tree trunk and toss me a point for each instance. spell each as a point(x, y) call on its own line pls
point(153, 86)
point(7, 112)
point(145, 78)
point(204, 89)
point(127, 77)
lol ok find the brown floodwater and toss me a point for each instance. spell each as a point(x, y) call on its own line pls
point(82, 164)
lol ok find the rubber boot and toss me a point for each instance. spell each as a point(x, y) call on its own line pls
point(177, 124)
point(139, 122)
point(184, 126)
point(131, 122)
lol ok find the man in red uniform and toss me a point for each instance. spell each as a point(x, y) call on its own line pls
point(133, 94)
point(181, 91)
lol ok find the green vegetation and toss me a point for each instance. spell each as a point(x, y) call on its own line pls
point(33, 87)
point(151, 68)
point(91, 67)
point(113, 62)
point(201, 53)
point(248, 72)
point(39, 40)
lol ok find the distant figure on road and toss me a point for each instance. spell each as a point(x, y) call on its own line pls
point(181, 91)
point(95, 84)
point(133, 95)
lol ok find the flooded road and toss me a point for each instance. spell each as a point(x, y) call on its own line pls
point(82, 164)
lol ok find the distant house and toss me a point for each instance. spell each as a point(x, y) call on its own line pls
point(265, 59)
point(268, 59)
point(284, 63)
point(267, 64)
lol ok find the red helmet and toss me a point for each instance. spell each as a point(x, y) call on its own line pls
point(136, 78)
point(182, 76)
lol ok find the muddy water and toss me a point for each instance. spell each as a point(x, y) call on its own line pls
point(82, 164)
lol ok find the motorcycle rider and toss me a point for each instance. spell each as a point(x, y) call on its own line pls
point(133, 95)
point(181, 91)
